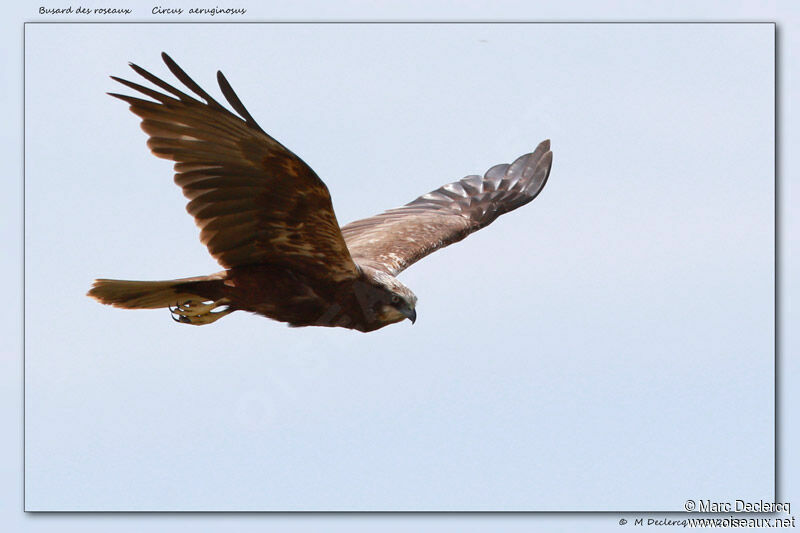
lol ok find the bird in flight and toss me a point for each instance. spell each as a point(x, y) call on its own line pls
point(267, 218)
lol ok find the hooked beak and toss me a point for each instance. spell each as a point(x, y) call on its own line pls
point(411, 314)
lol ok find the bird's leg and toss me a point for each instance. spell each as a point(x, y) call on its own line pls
point(194, 308)
point(199, 313)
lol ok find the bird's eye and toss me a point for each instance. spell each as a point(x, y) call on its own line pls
point(395, 299)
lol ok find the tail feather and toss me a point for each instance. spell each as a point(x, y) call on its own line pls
point(154, 294)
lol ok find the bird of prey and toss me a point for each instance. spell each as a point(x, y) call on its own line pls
point(267, 218)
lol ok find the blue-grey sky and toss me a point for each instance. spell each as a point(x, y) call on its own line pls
point(779, 11)
point(616, 331)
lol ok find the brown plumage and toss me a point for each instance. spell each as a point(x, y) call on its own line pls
point(267, 218)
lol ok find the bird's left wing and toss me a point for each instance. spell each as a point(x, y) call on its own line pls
point(397, 238)
point(254, 200)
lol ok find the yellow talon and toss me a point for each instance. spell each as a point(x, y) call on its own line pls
point(199, 313)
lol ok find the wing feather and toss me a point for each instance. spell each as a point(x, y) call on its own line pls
point(253, 199)
point(397, 238)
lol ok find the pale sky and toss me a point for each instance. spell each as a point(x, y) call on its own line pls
point(615, 331)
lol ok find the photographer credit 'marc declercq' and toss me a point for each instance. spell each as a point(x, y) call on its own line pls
point(267, 218)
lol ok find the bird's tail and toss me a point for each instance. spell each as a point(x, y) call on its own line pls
point(156, 294)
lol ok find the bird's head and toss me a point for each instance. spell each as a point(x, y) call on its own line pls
point(384, 300)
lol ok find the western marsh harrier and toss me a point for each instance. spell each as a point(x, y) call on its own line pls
point(267, 218)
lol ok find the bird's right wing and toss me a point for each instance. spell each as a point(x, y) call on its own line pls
point(255, 201)
point(397, 238)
